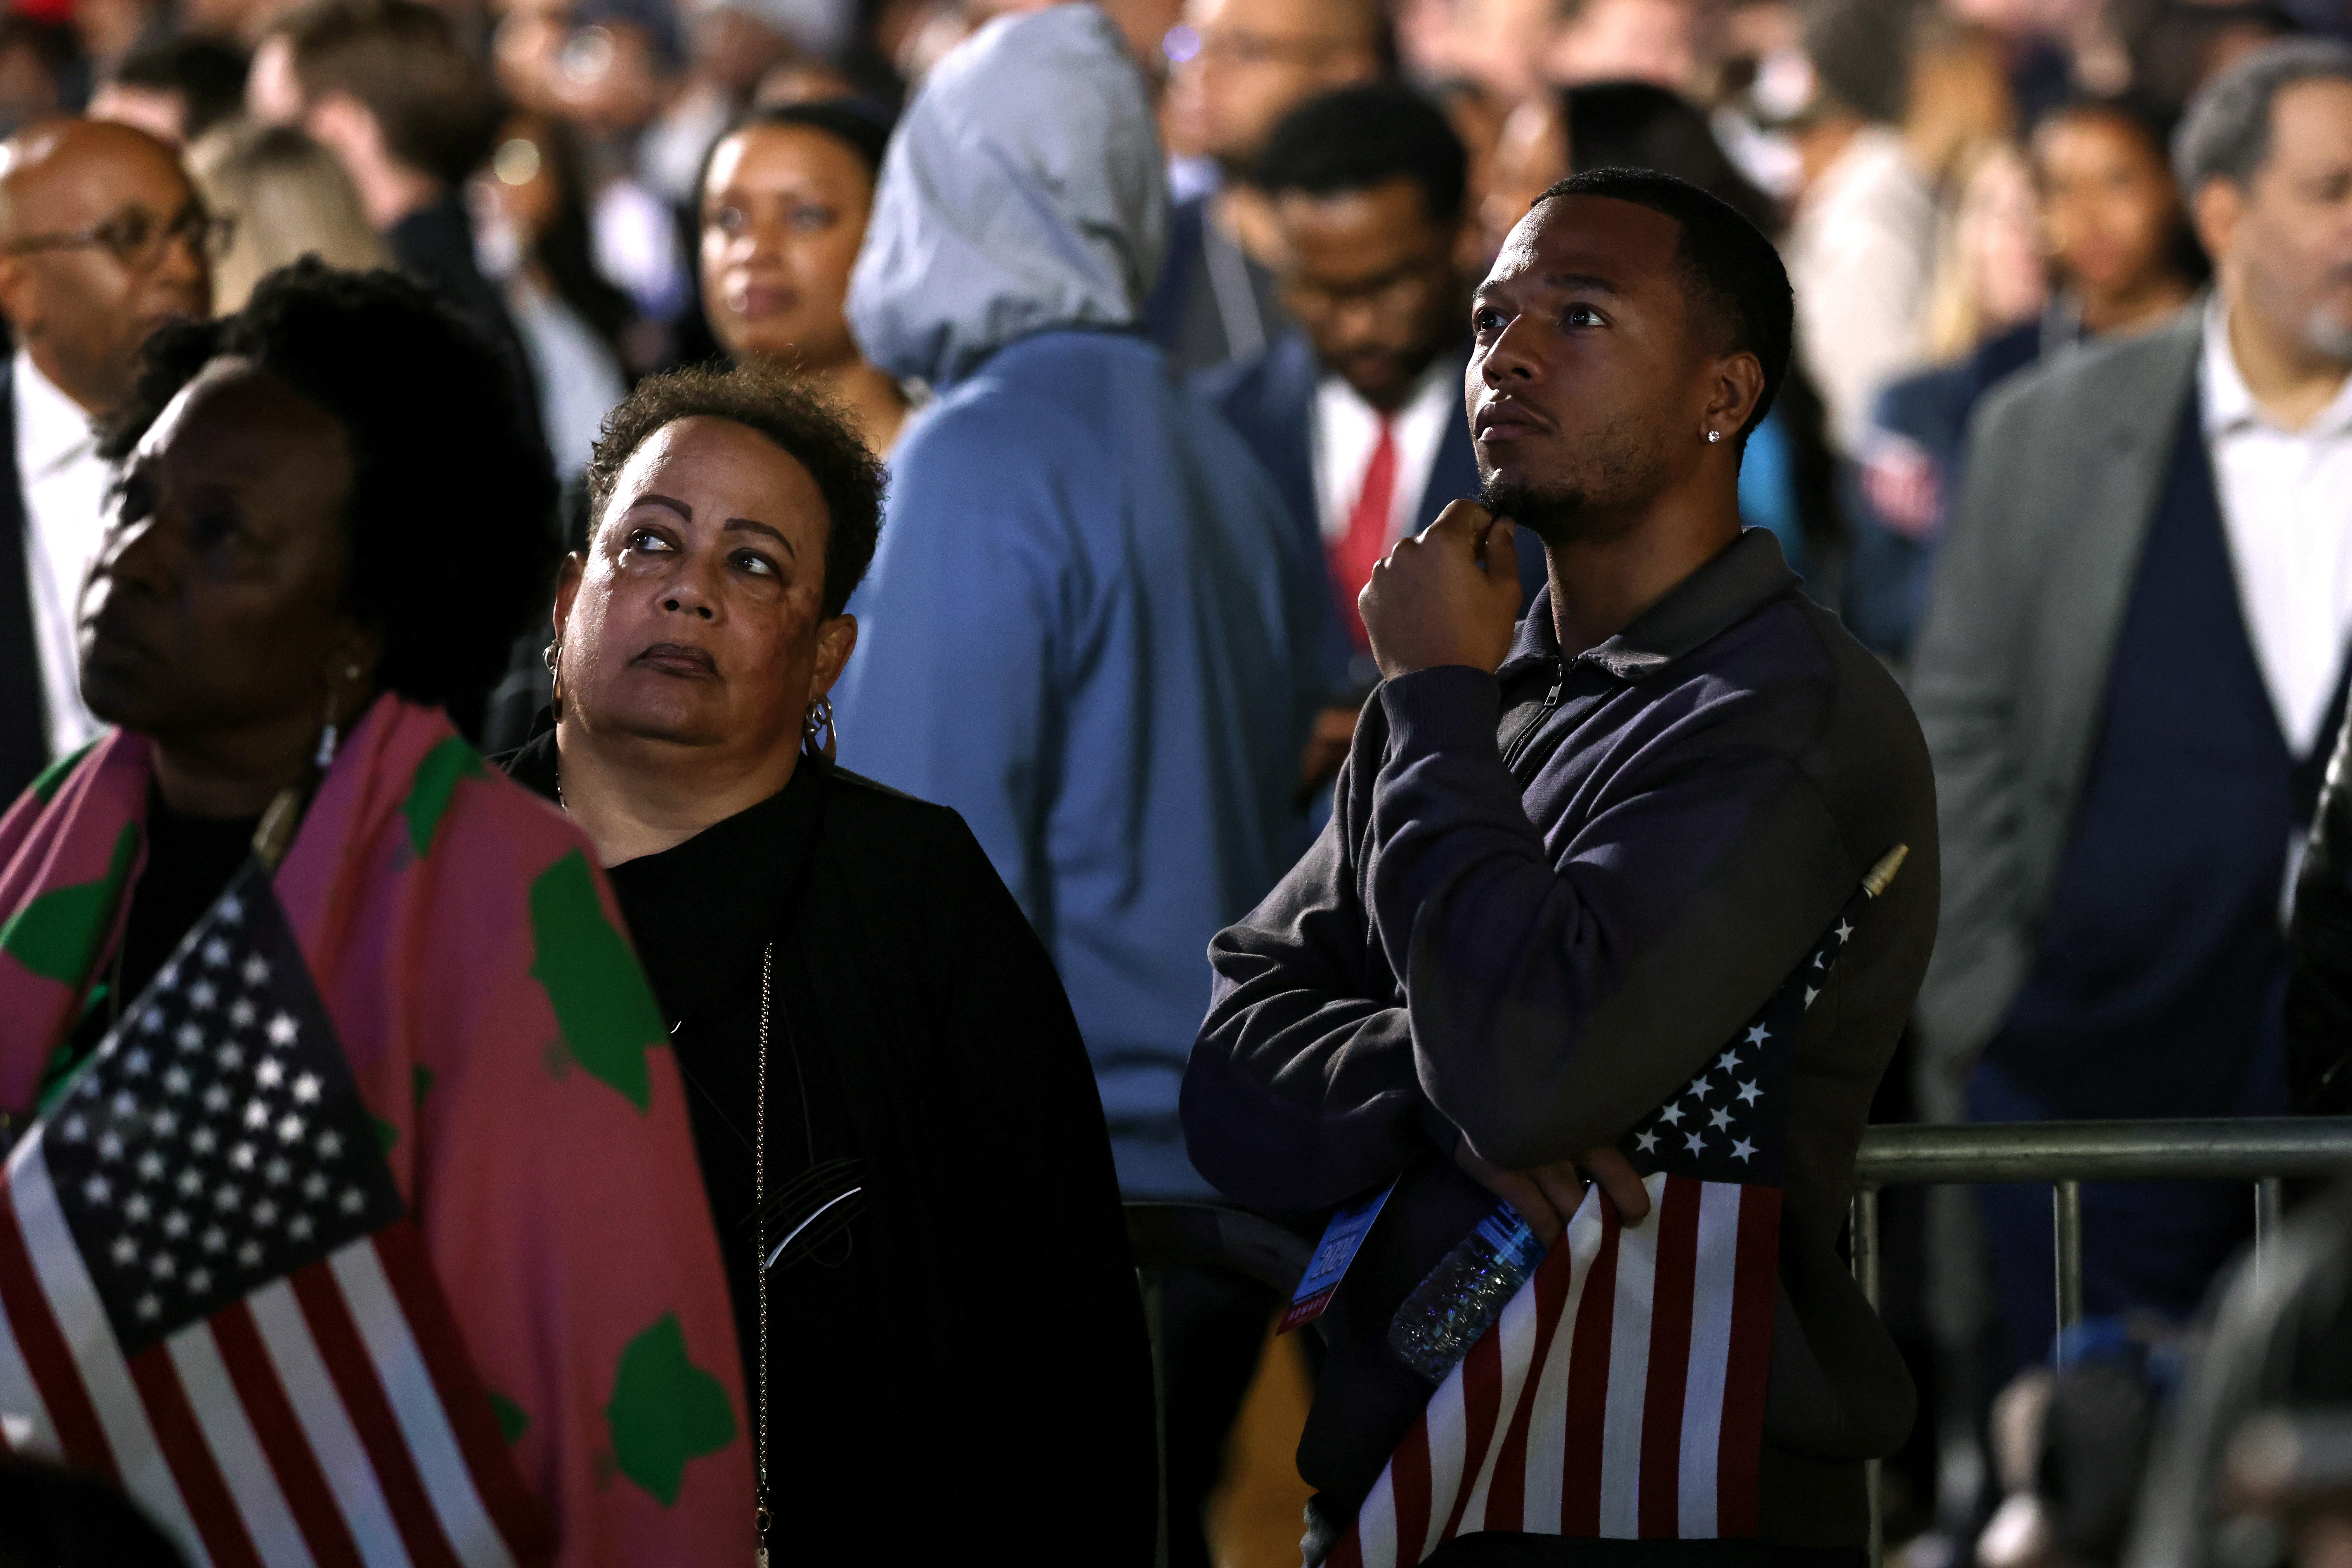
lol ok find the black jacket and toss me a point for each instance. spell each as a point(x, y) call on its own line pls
point(978, 1372)
point(2319, 954)
point(434, 244)
point(1545, 899)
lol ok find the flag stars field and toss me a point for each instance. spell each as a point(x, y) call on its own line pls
point(1621, 1393)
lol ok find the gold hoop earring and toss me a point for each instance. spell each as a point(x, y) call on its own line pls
point(818, 735)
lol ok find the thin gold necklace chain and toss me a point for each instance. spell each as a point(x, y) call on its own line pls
point(761, 1516)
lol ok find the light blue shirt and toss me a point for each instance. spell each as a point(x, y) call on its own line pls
point(1090, 630)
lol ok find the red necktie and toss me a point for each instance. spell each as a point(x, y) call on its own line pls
point(1367, 538)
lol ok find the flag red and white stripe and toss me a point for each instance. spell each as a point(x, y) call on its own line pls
point(1620, 1396)
point(311, 1422)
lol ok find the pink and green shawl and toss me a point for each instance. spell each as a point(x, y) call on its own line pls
point(470, 955)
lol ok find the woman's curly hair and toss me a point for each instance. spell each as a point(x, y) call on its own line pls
point(451, 510)
point(780, 406)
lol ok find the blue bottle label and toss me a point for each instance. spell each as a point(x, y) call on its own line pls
point(1513, 1242)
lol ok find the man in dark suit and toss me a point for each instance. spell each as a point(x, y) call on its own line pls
point(389, 88)
point(1236, 67)
point(1357, 417)
point(102, 240)
point(2131, 667)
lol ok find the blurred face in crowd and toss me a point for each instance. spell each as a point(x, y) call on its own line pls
point(1999, 237)
point(2109, 211)
point(1501, 42)
point(605, 78)
point(697, 617)
point(516, 197)
point(1375, 281)
point(2282, 242)
point(214, 609)
point(160, 114)
point(1587, 383)
point(101, 241)
point(784, 212)
point(1530, 157)
point(1628, 40)
point(1255, 61)
point(734, 48)
point(273, 93)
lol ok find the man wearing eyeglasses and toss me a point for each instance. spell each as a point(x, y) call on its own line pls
point(1357, 416)
point(1236, 67)
point(102, 240)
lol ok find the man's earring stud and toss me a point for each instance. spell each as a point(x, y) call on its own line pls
point(1713, 437)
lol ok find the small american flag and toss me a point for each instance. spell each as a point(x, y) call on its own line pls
point(210, 1294)
point(1621, 1393)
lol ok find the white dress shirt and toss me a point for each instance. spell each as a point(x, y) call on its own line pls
point(2286, 505)
point(1348, 429)
point(64, 483)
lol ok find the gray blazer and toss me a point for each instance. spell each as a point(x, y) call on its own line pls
point(2065, 469)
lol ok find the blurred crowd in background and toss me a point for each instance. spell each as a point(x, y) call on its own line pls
point(609, 188)
point(1959, 186)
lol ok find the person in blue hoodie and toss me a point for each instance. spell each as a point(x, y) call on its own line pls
point(1090, 627)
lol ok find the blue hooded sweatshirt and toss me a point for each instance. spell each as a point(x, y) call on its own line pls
point(1090, 628)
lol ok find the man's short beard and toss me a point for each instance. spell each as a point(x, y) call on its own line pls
point(1556, 514)
point(2326, 334)
point(1627, 465)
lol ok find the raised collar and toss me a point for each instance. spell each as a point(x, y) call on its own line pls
point(1741, 579)
point(52, 430)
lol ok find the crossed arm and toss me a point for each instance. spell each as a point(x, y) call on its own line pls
point(1434, 971)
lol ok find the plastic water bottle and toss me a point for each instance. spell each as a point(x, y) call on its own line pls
point(1464, 1294)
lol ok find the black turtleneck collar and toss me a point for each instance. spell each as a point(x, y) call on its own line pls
point(701, 911)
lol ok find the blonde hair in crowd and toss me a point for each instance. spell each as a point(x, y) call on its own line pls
point(290, 197)
point(1988, 263)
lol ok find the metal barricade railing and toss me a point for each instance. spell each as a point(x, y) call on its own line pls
point(2066, 1154)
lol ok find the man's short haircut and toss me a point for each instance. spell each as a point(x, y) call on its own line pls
point(780, 406)
point(208, 73)
point(2226, 132)
point(451, 509)
point(1861, 54)
point(1357, 137)
point(1730, 273)
point(1638, 125)
point(404, 62)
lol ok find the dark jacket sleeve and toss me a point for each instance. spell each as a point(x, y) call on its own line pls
point(1559, 992)
point(1300, 1091)
point(1064, 1356)
point(2319, 976)
point(1970, 664)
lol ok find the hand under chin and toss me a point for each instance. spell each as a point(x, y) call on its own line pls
point(1450, 597)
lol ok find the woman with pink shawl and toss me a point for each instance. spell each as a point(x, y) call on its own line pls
point(329, 528)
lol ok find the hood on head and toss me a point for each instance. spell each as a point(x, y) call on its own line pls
point(1024, 190)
